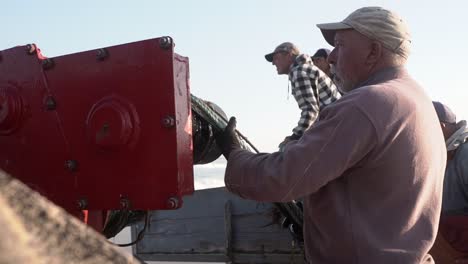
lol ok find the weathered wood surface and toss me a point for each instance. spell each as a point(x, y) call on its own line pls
point(216, 226)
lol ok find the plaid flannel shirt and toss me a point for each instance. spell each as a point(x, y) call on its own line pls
point(312, 89)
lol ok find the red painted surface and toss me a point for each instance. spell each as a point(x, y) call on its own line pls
point(93, 130)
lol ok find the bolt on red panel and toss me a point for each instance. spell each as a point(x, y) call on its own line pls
point(99, 126)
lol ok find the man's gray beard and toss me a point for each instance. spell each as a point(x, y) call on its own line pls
point(332, 69)
point(343, 87)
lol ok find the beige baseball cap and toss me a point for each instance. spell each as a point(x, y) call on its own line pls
point(376, 23)
point(283, 47)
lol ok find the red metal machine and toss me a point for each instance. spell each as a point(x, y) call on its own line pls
point(106, 129)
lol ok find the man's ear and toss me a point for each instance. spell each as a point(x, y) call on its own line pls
point(375, 53)
point(446, 130)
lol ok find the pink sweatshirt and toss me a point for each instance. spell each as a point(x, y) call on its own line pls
point(370, 171)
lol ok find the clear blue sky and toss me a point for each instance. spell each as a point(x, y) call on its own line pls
point(226, 41)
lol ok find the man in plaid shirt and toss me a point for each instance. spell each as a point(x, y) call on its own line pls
point(312, 88)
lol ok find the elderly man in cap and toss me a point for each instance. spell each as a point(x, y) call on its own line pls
point(371, 168)
point(311, 88)
point(454, 220)
point(455, 200)
point(320, 59)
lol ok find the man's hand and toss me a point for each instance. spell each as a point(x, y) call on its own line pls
point(228, 140)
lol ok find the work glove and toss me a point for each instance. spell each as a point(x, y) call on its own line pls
point(227, 140)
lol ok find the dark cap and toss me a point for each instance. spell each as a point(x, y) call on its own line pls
point(321, 53)
point(444, 113)
point(283, 47)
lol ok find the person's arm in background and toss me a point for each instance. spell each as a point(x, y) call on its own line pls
point(303, 91)
point(307, 101)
